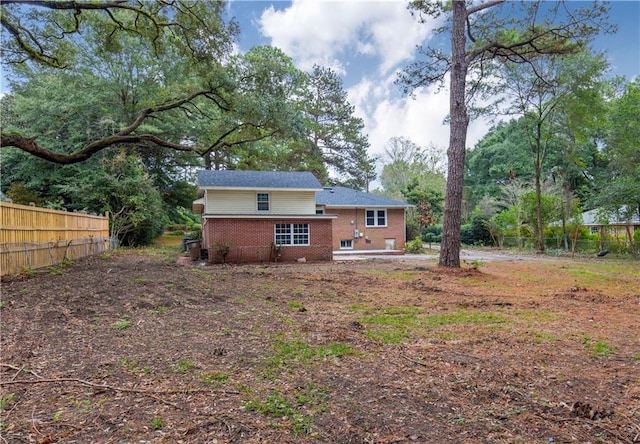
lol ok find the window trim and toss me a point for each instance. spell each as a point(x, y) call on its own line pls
point(376, 216)
point(350, 243)
point(258, 202)
point(291, 234)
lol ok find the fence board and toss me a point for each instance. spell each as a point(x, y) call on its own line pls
point(34, 237)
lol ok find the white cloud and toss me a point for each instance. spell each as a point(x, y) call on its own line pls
point(330, 33)
point(419, 118)
point(324, 32)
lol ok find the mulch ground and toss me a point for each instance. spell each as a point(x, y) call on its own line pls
point(138, 348)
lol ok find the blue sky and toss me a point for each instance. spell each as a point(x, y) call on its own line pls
point(368, 41)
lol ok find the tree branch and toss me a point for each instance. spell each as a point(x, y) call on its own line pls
point(483, 6)
point(124, 136)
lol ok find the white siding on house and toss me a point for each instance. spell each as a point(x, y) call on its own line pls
point(244, 202)
point(293, 202)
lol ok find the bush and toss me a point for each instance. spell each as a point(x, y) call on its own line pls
point(476, 233)
point(432, 233)
point(430, 237)
point(415, 246)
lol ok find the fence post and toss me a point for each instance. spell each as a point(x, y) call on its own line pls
point(53, 261)
point(65, 258)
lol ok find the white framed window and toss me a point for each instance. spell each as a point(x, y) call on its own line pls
point(346, 244)
point(262, 200)
point(292, 234)
point(376, 218)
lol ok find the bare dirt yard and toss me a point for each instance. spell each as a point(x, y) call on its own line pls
point(135, 348)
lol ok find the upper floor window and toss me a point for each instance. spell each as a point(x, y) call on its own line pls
point(263, 201)
point(376, 218)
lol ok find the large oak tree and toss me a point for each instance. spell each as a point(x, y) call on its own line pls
point(52, 35)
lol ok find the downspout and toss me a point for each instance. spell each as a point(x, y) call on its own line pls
point(404, 224)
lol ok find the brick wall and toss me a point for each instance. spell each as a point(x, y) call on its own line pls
point(374, 237)
point(250, 240)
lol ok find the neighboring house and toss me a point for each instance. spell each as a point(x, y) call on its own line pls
point(261, 216)
point(365, 221)
point(596, 220)
point(600, 217)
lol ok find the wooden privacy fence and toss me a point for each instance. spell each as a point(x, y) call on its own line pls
point(33, 237)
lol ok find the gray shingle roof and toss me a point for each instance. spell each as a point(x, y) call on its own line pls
point(258, 179)
point(346, 197)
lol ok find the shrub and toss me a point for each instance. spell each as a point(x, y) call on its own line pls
point(415, 246)
point(477, 232)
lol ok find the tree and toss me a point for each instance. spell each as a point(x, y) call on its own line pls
point(427, 209)
point(259, 111)
point(543, 28)
point(498, 159)
point(405, 162)
point(43, 32)
point(193, 32)
point(554, 95)
point(334, 135)
point(618, 187)
point(121, 186)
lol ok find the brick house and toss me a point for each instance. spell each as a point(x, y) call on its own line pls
point(262, 216)
point(364, 221)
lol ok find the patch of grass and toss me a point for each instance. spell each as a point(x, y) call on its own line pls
point(360, 307)
point(541, 336)
point(160, 310)
point(57, 270)
point(402, 310)
point(398, 321)
point(2, 304)
point(290, 352)
point(536, 315)
point(411, 317)
point(403, 320)
point(314, 396)
point(226, 331)
point(157, 423)
point(463, 317)
point(636, 357)
point(183, 366)
point(130, 364)
point(57, 415)
point(140, 281)
point(278, 406)
point(387, 335)
point(83, 405)
point(295, 305)
point(214, 379)
point(6, 399)
point(599, 349)
point(275, 404)
point(28, 271)
point(122, 324)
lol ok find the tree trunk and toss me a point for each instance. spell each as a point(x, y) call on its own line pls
point(539, 227)
point(450, 246)
point(538, 172)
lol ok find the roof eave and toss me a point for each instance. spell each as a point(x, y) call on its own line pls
point(227, 188)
